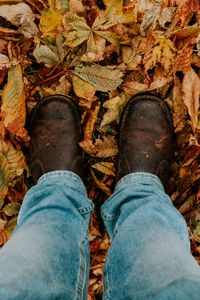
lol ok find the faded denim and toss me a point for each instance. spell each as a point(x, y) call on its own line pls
point(47, 256)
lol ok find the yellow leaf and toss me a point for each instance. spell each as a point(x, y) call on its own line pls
point(82, 88)
point(114, 106)
point(49, 23)
point(12, 165)
point(107, 168)
point(13, 104)
point(191, 93)
point(11, 209)
point(162, 53)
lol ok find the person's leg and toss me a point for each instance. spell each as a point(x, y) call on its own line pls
point(150, 253)
point(47, 257)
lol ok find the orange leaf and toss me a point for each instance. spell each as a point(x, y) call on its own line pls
point(13, 104)
point(89, 127)
point(101, 185)
point(191, 93)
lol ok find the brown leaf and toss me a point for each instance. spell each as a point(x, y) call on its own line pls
point(107, 168)
point(191, 93)
point(89, 127)
point(101, 185)
point(106, 147)
point(179, 110)
point(13, 104)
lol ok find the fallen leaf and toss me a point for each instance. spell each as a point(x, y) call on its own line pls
point(89, 127)
point(107, 168)
point(82, 88)
point(103, 148)
point(12, 164)
point(191, 93)
point(150, 18)
point(50, 20)
point(114, 107)
point(44, 54)
point(11, 209)
point(103, 78)
point(101, 185)
point(20, 15)
point(179, 109)
point(13, 104)
point(162, 53)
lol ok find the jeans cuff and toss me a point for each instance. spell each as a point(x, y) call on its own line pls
point(143, 177)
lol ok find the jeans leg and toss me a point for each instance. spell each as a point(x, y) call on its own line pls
point(47, 257)
point(150, 253)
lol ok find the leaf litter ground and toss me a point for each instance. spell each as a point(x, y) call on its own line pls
point(101, 53)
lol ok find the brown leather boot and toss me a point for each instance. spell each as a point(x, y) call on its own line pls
point(55, 131)
point(146, 138)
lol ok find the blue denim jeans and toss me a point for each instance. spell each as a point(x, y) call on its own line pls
point(47, 257)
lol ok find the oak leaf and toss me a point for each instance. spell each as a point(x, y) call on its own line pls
point(191, 94)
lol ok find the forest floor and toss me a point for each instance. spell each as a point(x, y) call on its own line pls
point(101, 53)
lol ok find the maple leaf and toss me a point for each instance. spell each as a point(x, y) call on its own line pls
point(114, 107)
point(162, 53)
point(13, 108)
point(191, 93)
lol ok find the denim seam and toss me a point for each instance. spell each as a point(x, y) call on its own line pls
point(86, 209)
point(105, 283)
point(82, 270)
